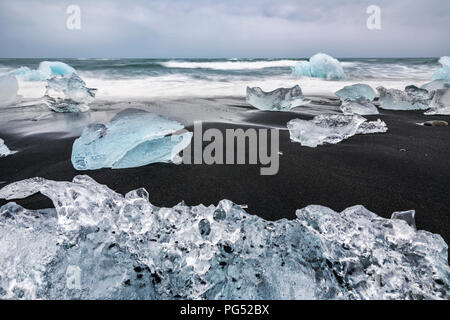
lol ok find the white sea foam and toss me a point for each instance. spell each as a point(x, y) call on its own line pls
point(230, 64)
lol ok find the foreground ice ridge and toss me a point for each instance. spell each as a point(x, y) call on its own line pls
point(356, 92)
point(133, 138)
point(320, 65)
point(98, 244)
point(444, 72)
point(4, 150)
point(45, 71)
point(412, 98)
point(8, 90)
point(281, 99)
point(68, 94)
point(331, 129)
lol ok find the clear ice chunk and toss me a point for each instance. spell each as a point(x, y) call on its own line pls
point(331, 129)
point(444, 72)
point(412, 98)
point(319, 65)
point(4, 150)
point(408, 216)
point(356, 92)
point(8, 90)
point(98, 244)
point(436, 84)
point(68, 94)
point(281, 99)
point(46, 70)
point(132, 138)
point(359, 106)
point(440, 102)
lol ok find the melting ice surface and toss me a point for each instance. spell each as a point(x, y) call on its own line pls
point(281, 99)
point(320, 65)
point(355, 92)
point(4, 150)
point(98, 244)
point(8, 90)
point(331, 129)
point(359, 106)
point(412, 98)
point(46, 70)
point(68, 94)
point(132, 138)
point(444, 72)
point(440, 102)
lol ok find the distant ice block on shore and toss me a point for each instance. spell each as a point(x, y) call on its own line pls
point(359, 106)
point(281, 99)
point(132, 138)
point(355, 92)
point(68, 94)
point(440, 102)
point(412, 98)
point(46, 70)
point(98, 244)
point(436, 84)
point(4, 150)
point(8, 90)
point(444, 71)
point(320, 65)
point(331, 129)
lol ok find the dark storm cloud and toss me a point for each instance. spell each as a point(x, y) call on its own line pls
point(224, 28)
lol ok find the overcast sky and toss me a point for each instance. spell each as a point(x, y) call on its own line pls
point(224, 28)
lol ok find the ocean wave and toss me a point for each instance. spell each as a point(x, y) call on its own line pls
point(230, 64)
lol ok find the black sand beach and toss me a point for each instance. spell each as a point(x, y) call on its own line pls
point(406, 168)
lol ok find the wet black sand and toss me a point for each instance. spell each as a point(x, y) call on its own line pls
point(406, 168)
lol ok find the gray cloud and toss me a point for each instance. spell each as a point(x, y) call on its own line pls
point(224, 28)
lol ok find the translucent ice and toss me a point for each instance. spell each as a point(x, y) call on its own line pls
point(281, 99)
point(331, 129)
point(444, 72)
point(413, 98)
point(4, 150)
point(68, 94)
point(132, 138)
point(8, 90)
point(436, 84)
point(355, 92)
point(98, 244)
point(46, 70)
point(359, 106)
point(440, 102)
point(320, 65)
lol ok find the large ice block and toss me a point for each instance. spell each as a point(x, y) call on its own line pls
point(132, 138)
point(320, 65)
point(4, 150)
point(355, 92)
point(440, 102)
point(8, 90)
point(444, 71)
point(99, 244)
point(46, 70)
point(413, 98)
point(331, 129)
point(281, 99)
point(359, 106)
point(68, 94)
